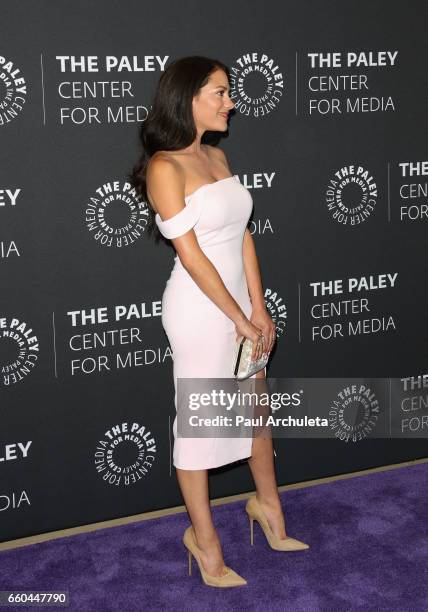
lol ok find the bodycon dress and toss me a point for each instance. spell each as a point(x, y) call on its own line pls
point(201, 336)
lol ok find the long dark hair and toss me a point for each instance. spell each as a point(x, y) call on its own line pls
point(170, 125)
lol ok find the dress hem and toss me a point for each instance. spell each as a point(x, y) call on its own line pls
point(211, 466)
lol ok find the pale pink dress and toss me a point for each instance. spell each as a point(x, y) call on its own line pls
point(201, 336)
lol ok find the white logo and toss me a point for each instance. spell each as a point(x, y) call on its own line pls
point(351, 195)
point(257, 84)
point(354, 414)
point(261, 226)
point(277, 310)
point(126, 454)
point(413, 402)
point(15, 451)
point(7, 249)
point(413, 190)
point(14, 93)
point(13, 500)
point(115, 215)
point(19, 350)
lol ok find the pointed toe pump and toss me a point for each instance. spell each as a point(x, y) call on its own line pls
point(230, 579)
point(255, 513)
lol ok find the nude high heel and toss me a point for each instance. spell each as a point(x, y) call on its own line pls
point(230, 579)
point(255, 513)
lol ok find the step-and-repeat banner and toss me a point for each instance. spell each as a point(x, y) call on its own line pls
point(329, 136)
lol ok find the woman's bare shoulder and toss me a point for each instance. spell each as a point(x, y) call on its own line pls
point(161, 155)
point(162, 161)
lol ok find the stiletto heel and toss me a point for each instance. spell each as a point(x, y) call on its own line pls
point(255, 513)
point(230, 579)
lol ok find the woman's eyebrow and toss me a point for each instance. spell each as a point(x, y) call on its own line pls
point(223, 87)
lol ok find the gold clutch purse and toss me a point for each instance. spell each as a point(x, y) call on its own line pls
point(243, 367)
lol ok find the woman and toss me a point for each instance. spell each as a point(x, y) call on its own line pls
point(214, 294)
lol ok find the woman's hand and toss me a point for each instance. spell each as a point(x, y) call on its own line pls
point(260, 321)
point(244, 328)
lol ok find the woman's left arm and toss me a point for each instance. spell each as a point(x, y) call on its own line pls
point(259, 315)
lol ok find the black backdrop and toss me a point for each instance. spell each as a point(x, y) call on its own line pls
point(82, 347)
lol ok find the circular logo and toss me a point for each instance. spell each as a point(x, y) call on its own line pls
point(19, 350)
point(126, 454)
point(351, 195)
point(257, 84)
point(13, 91)
point(354, 413)
point(115, 215)
point(277, 310)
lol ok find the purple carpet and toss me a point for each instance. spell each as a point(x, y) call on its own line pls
point(368, 538)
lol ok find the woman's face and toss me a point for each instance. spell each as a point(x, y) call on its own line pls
point(212, 103)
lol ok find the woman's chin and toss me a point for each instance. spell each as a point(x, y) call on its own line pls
point(220, 126)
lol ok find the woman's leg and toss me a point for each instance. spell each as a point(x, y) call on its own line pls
point(194, 488)
point(262, 468)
